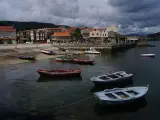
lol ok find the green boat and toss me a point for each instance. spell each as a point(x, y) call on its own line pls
point(64, 59)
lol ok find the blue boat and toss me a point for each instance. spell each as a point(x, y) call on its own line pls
point(27, 57)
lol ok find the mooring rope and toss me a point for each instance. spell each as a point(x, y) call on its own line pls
point(63, 106)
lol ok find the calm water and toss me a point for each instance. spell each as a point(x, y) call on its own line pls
point(22, 90)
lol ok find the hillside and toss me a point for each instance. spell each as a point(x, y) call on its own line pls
point(28, 25)
point(155, 36)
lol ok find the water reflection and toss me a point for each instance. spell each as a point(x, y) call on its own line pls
point(91, 56)
point(130, 107)
point(69, 78)
point(27, 116)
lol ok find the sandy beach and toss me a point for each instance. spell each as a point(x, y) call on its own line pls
point(9, 56)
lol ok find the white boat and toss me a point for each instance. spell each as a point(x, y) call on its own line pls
point(121, 95)
point(148, 55)
point(47, 52)
point(114, 77)
point(92, 51)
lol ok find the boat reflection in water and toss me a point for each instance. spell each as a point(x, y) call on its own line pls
point(63, 78)
point(91, 56)
point(130, 107)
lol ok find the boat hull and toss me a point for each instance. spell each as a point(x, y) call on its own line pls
point(148, 55)
point(118, 96)
point(92, 52)
point(119, 81)
point(27, 58)
point(85, 62)
point(112, 103)
point(47, 52)
point(60, 74)
point(63, 60)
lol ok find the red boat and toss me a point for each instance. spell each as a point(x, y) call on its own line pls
point(59, 73)
point(83, 61)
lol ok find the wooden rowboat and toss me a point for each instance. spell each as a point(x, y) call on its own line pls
point(59, 72)
point(26, 57)
point(63, 59)
point(78, 61)
point(121, 95)
point(48, 52)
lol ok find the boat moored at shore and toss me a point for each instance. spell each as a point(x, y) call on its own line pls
point(64, 59)
point(59, 72)
point(115, 77)
point(118, 96)
point(79, 61)
point(48, 52)
point(148, 55)
point(92, 51)
point(26, 57)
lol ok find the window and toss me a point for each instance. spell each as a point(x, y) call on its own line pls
point(97, 34)
point(93, 34)
point(105, 34)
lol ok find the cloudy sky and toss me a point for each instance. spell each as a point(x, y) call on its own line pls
point(132, 16)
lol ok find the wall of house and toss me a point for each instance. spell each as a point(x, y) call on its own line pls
point(61, 39)
point(85, 33)
point(111, 34)
point(95, 33)
point(104, 34)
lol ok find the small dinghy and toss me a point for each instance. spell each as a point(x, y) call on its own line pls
point(148, 55)
point(78, 61)
point(26, 57)
point(63, 59)
point(91, 51)
point(47, 52)
point(114, 77)
point(59, 73)
point(118, 96)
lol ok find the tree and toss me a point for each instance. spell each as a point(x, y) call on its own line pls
point(76, 34)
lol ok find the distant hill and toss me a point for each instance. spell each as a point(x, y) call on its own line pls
point(154, 35)
point(28, 25)
point(136, 34)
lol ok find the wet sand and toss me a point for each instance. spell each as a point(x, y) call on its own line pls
point(8, 57)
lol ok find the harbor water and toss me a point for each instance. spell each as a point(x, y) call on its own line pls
point(25, 95)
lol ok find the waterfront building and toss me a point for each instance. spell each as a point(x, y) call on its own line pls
point(61, 37)
point(7, 35)
point(85, 32)
point(95, 35)
point(38, 35)
point(50, 31)
point(23, 36)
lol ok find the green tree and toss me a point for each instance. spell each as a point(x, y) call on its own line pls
point(76, 34)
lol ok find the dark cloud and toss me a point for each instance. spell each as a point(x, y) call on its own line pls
point(130, 15)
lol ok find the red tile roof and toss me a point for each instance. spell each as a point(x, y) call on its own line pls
point(100, 29)
point(7, 29)
point(61, 34)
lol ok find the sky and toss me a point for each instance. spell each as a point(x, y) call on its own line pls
point(131, 16)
